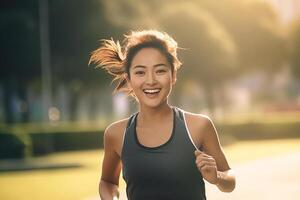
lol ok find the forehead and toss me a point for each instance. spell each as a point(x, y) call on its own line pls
point(149, 57)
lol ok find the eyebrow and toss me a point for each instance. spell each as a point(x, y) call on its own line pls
point(142, 66)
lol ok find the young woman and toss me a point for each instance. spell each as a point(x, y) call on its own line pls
point(165, 153)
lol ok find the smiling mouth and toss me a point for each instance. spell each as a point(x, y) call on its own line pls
point(152, 91)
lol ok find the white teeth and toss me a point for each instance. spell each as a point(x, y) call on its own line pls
point(151, 91)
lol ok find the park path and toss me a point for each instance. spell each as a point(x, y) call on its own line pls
point(270, 178)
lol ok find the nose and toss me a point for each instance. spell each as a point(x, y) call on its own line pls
point(151, 79)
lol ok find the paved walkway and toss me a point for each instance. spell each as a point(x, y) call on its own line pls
point(273, 178)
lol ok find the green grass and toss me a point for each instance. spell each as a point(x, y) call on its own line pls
point(82, 183)
point(60, 184)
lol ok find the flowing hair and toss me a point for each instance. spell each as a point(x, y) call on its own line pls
point(110, 57)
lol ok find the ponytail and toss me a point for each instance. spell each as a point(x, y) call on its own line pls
point(110, 57)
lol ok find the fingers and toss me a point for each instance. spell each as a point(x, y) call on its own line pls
point(206, 166)
point(204, 161)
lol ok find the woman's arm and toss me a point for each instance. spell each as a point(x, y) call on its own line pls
point(111, 166)
point(108, 191)
point(212, 162)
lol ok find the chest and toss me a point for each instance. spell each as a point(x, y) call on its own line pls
point(155, 135)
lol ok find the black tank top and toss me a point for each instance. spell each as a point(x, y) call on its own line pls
point(165, 172)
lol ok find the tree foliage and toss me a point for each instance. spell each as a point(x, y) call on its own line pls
point(294, 47)
point(246, 33)
point(223, 39)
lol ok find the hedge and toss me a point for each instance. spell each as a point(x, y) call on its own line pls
point(260, 131)
point(21, 142)
point(65, 141)
point(11, 146)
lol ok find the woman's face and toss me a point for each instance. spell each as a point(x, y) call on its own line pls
point(151, 77)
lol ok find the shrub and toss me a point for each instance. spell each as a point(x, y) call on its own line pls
point(11, 146)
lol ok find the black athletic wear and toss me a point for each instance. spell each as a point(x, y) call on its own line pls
point(165, 172)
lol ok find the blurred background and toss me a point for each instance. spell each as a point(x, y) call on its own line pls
point(241, 67)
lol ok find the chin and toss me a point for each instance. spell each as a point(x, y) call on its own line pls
point(153, 103)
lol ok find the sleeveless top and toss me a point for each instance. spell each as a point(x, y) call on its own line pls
point(165, 172)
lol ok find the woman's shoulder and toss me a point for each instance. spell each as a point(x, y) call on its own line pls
point(196, 116)
point(197, 119)
point(116, 128)
point(201, 127)
point(113, 135)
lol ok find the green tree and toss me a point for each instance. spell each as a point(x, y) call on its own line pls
point(223, 38)
point(20, 58)
point(255, 29)
point(294, 47)
point(210, 55)
point(76, 26)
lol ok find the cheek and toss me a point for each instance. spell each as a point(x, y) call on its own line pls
point(166, 80)
point(135, 83)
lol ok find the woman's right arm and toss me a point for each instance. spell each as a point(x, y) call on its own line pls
point(111, 166)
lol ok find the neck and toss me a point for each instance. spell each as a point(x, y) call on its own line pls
point(154, 114)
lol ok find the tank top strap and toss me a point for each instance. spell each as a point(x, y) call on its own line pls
point(178, 113)
point(131, 120)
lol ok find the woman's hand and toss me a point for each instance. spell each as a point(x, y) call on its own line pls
point(207, 166)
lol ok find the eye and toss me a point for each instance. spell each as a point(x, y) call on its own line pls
point(139, 72)
point(161, 71)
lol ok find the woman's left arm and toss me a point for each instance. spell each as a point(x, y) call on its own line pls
point(212, 162)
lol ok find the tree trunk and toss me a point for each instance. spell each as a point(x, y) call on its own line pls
point(8, 90)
